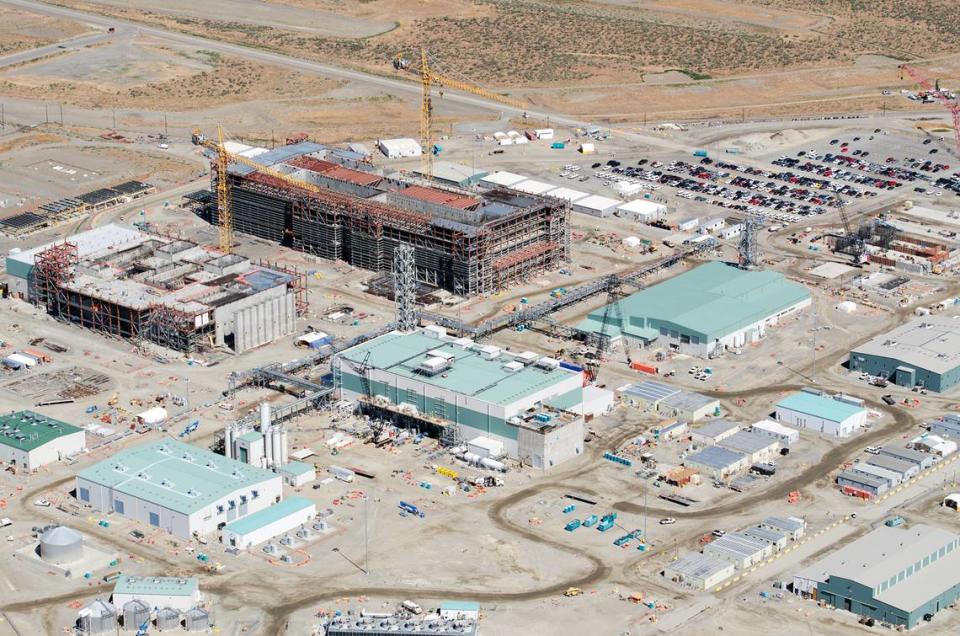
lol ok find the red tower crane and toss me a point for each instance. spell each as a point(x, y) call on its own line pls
point(953, 105)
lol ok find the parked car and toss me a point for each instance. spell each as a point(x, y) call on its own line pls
point(666, 521)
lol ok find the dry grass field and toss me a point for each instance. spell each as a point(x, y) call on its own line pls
point(614, 60)
point(21, 30)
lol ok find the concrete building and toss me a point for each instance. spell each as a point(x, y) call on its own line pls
point(717, 462)
point(739, 549)
point(699, 571)
point(894, 575)
point(783, 434)
point(793, 527)
point(29, 440)
point(704, 311)
point(919, 458)
point(529, 403)
point(821, 413)
point(181, 488)
point(157, 592)
point(757, 448)
point(924, 352)
point(265, 524)
point(182, 295)
point(714, 432)
point(689, 406)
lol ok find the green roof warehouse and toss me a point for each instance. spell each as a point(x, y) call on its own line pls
point(29, 440)
point(712, 307)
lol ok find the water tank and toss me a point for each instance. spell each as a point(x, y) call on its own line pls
point(197, 620)
point(99, 617)
point(60, 545)
point(135, 614)
point(168, 618)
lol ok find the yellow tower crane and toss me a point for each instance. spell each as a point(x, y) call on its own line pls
point(429, 76)
point(224, 214)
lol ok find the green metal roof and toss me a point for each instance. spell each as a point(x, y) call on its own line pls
point(297, 468)
point(819, 406)
point(264, 517)
point(34, 430)
point(156, 586)
point(712, 301)
point(178, 476)
point(471, 375)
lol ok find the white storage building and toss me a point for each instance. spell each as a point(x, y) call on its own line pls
point(157, 592)
point(29, 440)
point(532, 186)
point(485, 447)
point(757, 448)
point(502, 178)
point(714, 432)
point(821, 413)
point(784, 434)
point(699, 571)
point(793, 527)
point(596, 205)
point(178, 487)
point(642, 210)
point(739, 549)
point(399, 148)
point(568, 194)
point(288, 515)
point(298, 474)
point(717, 462)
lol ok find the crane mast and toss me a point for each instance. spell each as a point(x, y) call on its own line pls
point(224, 214)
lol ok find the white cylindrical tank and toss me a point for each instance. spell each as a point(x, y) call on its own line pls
point(471, 458)
point(267, 446)
point(264, 415)
point(284, 448)
point(228, 441)
point(493, 464)
point(274, 441)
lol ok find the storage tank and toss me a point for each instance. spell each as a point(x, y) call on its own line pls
point(264, 417)
point(284, 448)
point(228, 441)
point(60, 545)
point(196, 620)
point(274, 441)
point(168, 618)
point(99, 617)
point(135, 614)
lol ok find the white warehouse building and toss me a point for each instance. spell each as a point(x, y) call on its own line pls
point(529, 403)
point(178, 487)
point(820, 413)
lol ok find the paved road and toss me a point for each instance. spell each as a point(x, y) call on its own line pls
point(33, 54)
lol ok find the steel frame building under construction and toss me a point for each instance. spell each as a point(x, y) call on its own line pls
point(144, 287)
point(466, 243)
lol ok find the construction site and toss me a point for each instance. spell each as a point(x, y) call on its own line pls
point(332, 204)
point(125, 283)
point(318, 345)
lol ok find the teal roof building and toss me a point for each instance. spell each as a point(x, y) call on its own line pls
point(715, 305)
point(178, 487)
point(487, 391)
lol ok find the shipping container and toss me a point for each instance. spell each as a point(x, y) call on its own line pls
point(343, 474)
point(645, 368)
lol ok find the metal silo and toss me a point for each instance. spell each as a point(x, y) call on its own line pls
point(135, 614)
point(61, 544)
point(99, 617)
point(168, 618)
point(197, 620)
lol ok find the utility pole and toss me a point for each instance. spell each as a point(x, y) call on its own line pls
point(3, 116)
point(165, 132)
point(114, 120)
point(366, 515)
point(61, 115)
point(813, 369)
point(46, 112)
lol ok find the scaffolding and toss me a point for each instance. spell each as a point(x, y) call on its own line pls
point(749, 248)
point(464, 251)
point(405, 287)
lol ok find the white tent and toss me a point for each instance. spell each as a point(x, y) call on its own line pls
point(156, 415)
point(400, 148)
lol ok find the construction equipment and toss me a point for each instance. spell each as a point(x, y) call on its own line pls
point(224, 158)
point(852, 242)
point(429, 75)
point(113, 400)
point(611, 312)
point(573, 591)
point(953, 105)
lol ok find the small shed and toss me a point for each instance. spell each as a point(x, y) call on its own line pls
point(298, 474)
point(587, 148)
point(399, 148)
point(152, 417)
point(313, 339)
point(642, 210)
point(485, 447)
